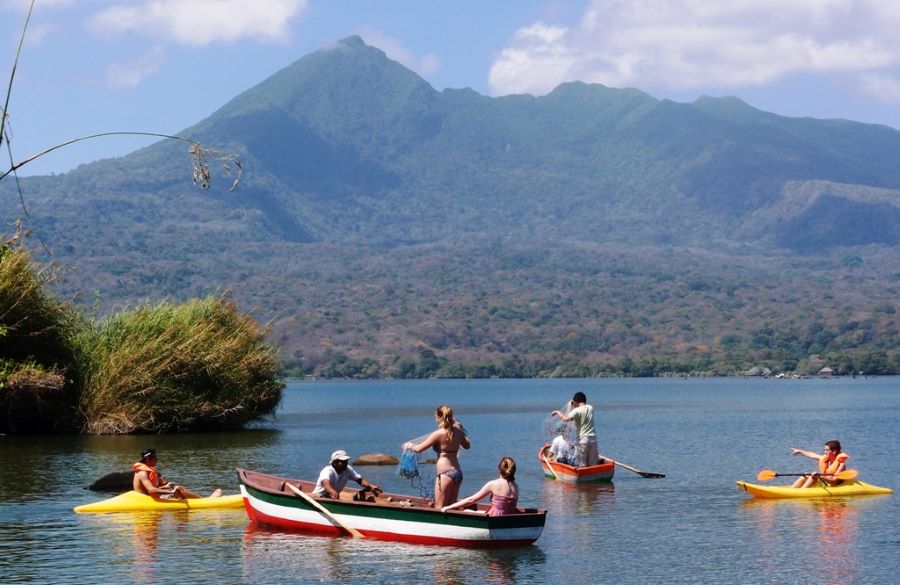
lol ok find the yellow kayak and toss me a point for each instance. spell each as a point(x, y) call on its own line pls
point(135, 501)
point(848, 488)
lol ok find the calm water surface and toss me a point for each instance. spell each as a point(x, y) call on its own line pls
point(694, 526)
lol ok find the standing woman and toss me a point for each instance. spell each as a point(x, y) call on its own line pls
point(447, 440)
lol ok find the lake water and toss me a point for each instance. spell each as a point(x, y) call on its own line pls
point(694, 526)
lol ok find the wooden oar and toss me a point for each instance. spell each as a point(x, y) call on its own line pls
point(312, 502)
point(767, 474)
point(648, 474)
point(550, 467)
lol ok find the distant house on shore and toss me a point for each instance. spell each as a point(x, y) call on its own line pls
point(826, 372)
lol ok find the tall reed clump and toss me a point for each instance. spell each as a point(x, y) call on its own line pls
point(34, 353)
point(201, 365)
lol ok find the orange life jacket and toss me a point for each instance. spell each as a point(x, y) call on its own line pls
point(151, 472)
point(829, 465)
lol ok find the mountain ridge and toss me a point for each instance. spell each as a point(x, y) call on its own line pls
point(348, 153)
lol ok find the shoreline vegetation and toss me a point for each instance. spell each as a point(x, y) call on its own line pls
point(344, 368)
point(203, 365)
point(195, 366)
point(861, 362)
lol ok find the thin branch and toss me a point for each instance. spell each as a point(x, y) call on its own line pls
point(12, 75)
point(194, 146)
point(198, 152)
point(22, 198)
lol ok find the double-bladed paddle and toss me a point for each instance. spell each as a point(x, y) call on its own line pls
point(767, 474)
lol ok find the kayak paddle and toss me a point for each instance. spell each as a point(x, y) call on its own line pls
point(647, 474)
point(767, 474)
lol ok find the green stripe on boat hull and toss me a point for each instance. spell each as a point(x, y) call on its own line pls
point(272, 507)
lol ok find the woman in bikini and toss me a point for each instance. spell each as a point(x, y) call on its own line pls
point(504, 491)
point(447, 440)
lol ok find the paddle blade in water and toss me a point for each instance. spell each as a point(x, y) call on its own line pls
point(766, 475)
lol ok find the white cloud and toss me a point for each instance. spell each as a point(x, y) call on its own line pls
point(129, 74)
point(688, 44)
point(882, 87)
point(38, 33)
point(396, 50)
point(23, 5)
point(200, 22)
point(538, 53)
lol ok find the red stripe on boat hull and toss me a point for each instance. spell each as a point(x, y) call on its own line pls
point(571, 474)
point(266, 520)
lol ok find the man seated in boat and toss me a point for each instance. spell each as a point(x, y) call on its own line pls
point(148, 481)
point(561, 450)
point(831, 462)
point(334, 477)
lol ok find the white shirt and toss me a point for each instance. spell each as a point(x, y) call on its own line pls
point(584, 421)
point(561, 449)
point(338, 480)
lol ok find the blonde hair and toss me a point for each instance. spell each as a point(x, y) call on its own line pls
point(507, 467)
point(446, 420)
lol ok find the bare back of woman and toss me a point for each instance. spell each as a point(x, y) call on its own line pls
point(447, 439)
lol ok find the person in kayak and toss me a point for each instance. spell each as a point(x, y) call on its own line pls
point(446, 440)
point(147, 480)
point(833, 460)
point(504, 491)
point(334, 477)
point(586, 443)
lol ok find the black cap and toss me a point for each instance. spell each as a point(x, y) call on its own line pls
point(147, 453)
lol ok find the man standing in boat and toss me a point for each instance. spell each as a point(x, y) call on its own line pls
point(582, 414)
point(148, 481)
point(334, 477)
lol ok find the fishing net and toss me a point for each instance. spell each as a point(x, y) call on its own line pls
point(555, 428)
point(409, 464)
point(408, 467)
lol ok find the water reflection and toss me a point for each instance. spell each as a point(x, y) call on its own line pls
point(202, 461)
point(583, 499)
point(838, 523)
point(831, 523)
point(287, 556)
point(145, 543)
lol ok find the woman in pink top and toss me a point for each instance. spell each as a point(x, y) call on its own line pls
point(504, 491)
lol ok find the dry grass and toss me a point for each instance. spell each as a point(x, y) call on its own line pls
point(161, 368)
point(34, 354)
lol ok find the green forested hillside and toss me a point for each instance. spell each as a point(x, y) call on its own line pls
point(386, 228)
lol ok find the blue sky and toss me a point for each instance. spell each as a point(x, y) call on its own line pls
point(91, 66)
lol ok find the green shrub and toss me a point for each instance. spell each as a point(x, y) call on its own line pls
point(32, 324)
point(201, 365)
point(34, 355)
